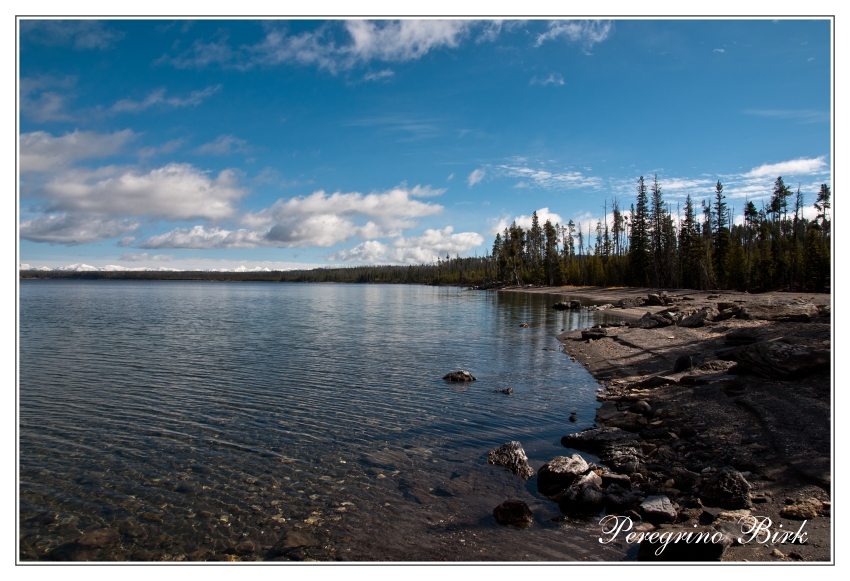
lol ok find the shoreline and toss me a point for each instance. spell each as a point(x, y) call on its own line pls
point(764, 410)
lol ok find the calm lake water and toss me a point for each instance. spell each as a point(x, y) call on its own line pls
point(213, 421)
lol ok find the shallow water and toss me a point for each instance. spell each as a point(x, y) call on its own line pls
point(310, 420)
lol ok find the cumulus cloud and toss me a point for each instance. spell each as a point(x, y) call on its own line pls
point(318, 220)
point(794, 167)
point(173, 192)
point(585, 32)
point(41, 151)
point(73, 228)
point(543, 214)
point(475, 177)
point(158, 98)
point(323, 219)
point(426, 248)
point(200, 237)
point(79, 34)
point(224, 145)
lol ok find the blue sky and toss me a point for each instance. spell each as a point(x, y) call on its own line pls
point(218, 144)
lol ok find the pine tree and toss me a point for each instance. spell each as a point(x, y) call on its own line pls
point(639, 245)
point(721, 236)
point(656, 219)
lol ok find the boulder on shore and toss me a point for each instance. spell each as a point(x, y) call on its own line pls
point(777, 359)
point(585, 499)
point(558, 474)
point(699, 318)
point(727, 489)
point(618, 449)
point(512, 457)
point(658, 509)
point(459, 376)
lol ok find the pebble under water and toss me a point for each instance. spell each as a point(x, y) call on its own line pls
point(261, 421)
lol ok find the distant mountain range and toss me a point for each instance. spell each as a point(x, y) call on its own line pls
point(116, 268)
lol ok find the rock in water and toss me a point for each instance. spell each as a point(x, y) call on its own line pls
point(557, 475)
point(507, 391)
point(658, 509)
point(727, 489)
point(617, 448)
point(513, 512)
point(460, 376)
point(99, 539)
point(584, 499)
point(512, 457)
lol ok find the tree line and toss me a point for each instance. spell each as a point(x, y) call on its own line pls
point(775, 246)
point(700, 247)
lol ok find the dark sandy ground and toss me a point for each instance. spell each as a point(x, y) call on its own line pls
point(775, 429)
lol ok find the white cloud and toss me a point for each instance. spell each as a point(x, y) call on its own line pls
point(80, 34)
point(72, 229)
point(322, 219)
point(721, 50)
point(553, 79)
point(224, 145)
point(548, 179)
point(173, 192)
point(200, 237)
point(415, 249)
point(475, 177)
point(402, 40)
point(377, 76)
point(40, 101)
point(40, 151)
point(318, 220)
point(586, 32)
point(202, 54)
point(386, 41)
point(794, 167)
point(158, 98)
point(543, 214)
point(493, 28)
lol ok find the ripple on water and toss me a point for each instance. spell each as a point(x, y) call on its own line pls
point(259, 421)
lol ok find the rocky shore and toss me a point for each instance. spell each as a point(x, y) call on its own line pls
point(715, 412)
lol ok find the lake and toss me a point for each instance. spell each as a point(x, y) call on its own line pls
point(258, 421)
